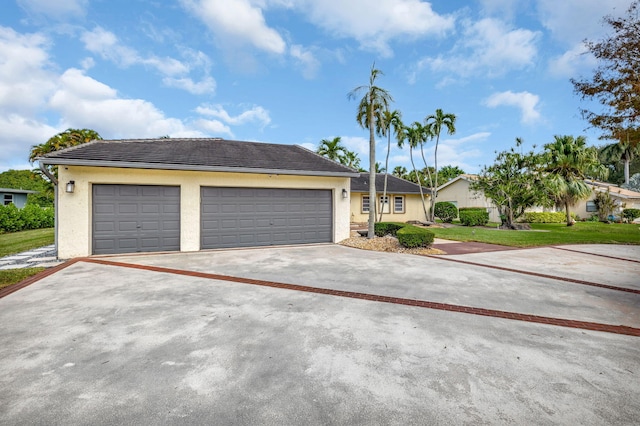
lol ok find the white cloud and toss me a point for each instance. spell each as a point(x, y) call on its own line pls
point(17, 135)
point(357, 144)
point(105, 44)
point(525, 101)
point(85, 102)
point(238, 21)
point(256, 114)
point(374, 27)
point(57, 9)
point(572, 62)
point(213, 127)
point(306, 60)
point(489, 47)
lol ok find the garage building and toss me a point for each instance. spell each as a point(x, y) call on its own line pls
point(150, 195)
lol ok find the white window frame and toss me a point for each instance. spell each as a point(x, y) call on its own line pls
point(8, 199)
point(365, 201)
point(591, 207)
point(397, 198)
point(386, 208)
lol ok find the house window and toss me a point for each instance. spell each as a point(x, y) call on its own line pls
point(591, 207)
point(384, 202)
point(398, 204)
point(8, 199)
point(365, 204)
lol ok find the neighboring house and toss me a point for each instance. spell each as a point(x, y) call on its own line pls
point(144, 195)
point(15, 196)
point(458, 192)
point(403, 201)
point(624, 199)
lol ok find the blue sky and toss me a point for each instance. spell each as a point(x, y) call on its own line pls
point(279, 70)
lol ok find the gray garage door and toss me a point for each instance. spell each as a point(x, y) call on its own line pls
point(248, 217)
point(135, 218)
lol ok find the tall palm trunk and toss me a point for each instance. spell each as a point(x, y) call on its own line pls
point(372, 174)
point(386, 174)
point(434, 188)
point(429, 216)
point(424, 206)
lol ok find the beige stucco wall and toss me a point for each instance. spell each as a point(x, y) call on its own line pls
point(626, 203)
point(413, 208)
point(74, 210)
point(460, 193)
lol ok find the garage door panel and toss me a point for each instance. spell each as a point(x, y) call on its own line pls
point(264, 216)
point(134, 218)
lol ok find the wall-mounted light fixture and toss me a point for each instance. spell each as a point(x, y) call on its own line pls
point(71, 185)
point(345, 194)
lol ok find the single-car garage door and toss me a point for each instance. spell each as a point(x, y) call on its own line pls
point(135, 218)
point(248, 217)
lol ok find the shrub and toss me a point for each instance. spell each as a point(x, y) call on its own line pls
point(631, 214)
point(473, 216)
point(544, 217)
point(384, 228)
point(412, 236)
point(13, 219)
point(446, 211)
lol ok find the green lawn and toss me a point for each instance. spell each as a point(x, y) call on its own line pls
point(13, 276)
point(17, 242)
point(543, 234)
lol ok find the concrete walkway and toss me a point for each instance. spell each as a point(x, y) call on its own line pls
point(40, 257)
point(324, 335)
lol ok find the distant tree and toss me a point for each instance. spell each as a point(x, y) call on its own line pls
point(374, 101)
point(624, 151)
point(446, 173)
point(434, 124)
point(332, 149)
point(634, 183)
point(568, 161)
point(62, 140)
point(514, 182)
point(391, 124)
point(27, 179)
point(414, 135)
point(400, 171)
point(616, 81)
point(351, 159)
point(605, 205)
point(380, 168)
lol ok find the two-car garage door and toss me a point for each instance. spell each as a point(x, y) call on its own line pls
point(145, 218)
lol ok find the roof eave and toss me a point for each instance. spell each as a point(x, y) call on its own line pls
point(187, 167)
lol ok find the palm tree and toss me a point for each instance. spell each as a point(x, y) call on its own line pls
point(373, 103)
point(400, 171)
point(569, 162)
point(332, 149)
point(351, 159)
point(390, 119)
point(414, 135)
point(62, 140)
point(434, 124)
point(625, 150)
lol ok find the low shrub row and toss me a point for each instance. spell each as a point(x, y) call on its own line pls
point(631, 214)
point(544, 217)
point(473, 216)
point(408, 235)
point(32, 216)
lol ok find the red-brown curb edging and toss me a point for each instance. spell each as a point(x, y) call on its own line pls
point(37, 277)
point(596, 254)
point(585, 325)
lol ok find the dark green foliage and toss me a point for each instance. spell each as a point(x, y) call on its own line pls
point(544, 217)
point(446, 211)
point(408, 235)
point(13, 219)
point(631, 214)
point(412, 236)
point(387, 228)
point(473, 216)
point(27, 179)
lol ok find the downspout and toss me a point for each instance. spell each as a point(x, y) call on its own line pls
point(53, 180)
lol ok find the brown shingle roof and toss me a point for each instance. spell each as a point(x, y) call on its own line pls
point(395, 185)
point(212, 154)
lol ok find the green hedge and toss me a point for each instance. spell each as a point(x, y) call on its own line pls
point(473, 216)
point(545, 217)
point(631, 214)
point(32, 216)
point(408, 235)
point(446, 211)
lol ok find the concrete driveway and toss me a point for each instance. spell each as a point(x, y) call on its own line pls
point(327, 335)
